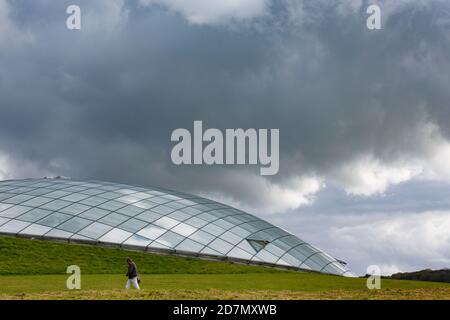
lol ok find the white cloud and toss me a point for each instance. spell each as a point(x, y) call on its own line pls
point(368, 176)
point(103, 16)
point(395, 241)
point(214, 12)
point(12, 168)
point(256, 194)
point(400, 242)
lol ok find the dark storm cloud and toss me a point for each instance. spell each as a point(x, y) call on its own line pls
point(109, 96)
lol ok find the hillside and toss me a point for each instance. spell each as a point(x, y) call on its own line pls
point(35, 269)
point(424, 275)
point(25, 256)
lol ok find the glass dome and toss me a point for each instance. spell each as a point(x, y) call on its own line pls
point(151, 219)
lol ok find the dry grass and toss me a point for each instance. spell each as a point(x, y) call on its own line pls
point(214, 294)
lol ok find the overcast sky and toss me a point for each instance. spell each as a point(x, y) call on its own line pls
point(364, 116)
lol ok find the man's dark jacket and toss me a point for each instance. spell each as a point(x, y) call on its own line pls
point(132, 271)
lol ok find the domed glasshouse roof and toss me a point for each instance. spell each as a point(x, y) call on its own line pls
point(151, 219)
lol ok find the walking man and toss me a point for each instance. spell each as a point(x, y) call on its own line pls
point(132, 274)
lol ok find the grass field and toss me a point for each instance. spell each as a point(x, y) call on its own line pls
point(32, 269)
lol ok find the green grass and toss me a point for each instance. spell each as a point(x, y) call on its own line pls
point(25, 257)
point(32, 269)
point(249, 286)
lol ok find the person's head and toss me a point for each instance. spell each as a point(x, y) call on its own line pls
point(129, 261)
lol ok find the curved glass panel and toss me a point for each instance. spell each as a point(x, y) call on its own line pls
point(150, 219)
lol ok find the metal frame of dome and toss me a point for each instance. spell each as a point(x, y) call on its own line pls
point(151, 219)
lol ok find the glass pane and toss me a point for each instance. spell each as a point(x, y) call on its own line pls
point(210, 251)
point(75, 189)
point(206, 216)
point(128, 199)
point(266, 256)
point(75, 209)
point(75, 197)
point(160, 200)
point(298, 254)
point(305, 249)
point(14, 226)
point(250, 227)
point(166, 222)
point(3, 221)
point(95, 230)
point(145, 204)
point(34, 215)
point(130, 211)
point(114, 219)
point(142, 195)
point(55, 233)
point(231, 237)
point(80, 237)
point(317, 261)
point(240, 232)
point(93, 201)
point(94, 214)
point(221, 246)
point(151, 232)
point(21, 190)
point(223, 224)
point(196, 222)
point(125, 191)
point(175, 205)
point(213, 229)
point(178, 215)
point(133, 225)
point(239, 253)
point(162, 209)
point(57, 194)
point(291, 241)
point(74, 224)
point(35, 230)
point(110, 195)
point(14, 211)
point(116, 236)
point(184, 229)
point(18, 199)
point(202, 237)
point(170, 239)
point(92, 192)
point(36, 202)
point(4, 206)
point(4, 196)
point(148, 216)
point(244, 245)
point(274, 250)
point(334, 268)
point(56, 205)
point(112, 205)
point(232, 219)
point(157, 245)
point(191, 210)
point(136, 240)
point(189, 245)
point(54, 219)
point(39, 192)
